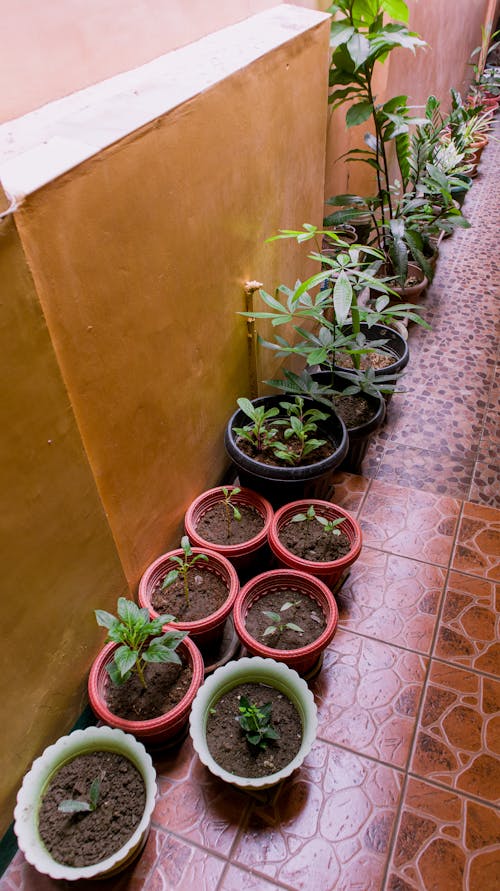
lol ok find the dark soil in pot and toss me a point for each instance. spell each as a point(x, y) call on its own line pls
point(81, 839)
point(377, 359)
point(315, 544)
point(212, 526)
point(228, 744)
point(355, 410)
point(266, 456)
point(207, 593)
point(304, 613)
point(166, 684)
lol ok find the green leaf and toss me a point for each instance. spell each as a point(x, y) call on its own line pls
point(358, 113)
point(94, 793)
point(293, 627)
point(170, 578)
point(104, 619)
point(342, 298)
point(128, 610)
point(74, 807)
point(125, 659)
point(358, 48)
point(396, 9)
point(340, 32)
point(157, 652)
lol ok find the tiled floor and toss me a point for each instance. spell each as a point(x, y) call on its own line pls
point(402, 788)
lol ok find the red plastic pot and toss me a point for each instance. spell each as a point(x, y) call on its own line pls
point(204, 631)
point(245, 555)
point(156, 731)
point(304, 658)
point(329, 571)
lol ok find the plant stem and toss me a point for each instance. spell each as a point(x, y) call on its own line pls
point(186, 589)
point(140, 673)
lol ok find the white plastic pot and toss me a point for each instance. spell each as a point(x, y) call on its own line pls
point(35, 783)
point(259, 671)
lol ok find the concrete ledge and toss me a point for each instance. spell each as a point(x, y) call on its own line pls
point(46, 143)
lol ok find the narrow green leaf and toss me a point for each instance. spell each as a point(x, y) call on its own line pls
point(358, 113)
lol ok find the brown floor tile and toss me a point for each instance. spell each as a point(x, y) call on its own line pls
point(368, 695)
point(349, 490)
point(485, 486)
point(477, 550)
point(445, 426)
point(427, 470)
point(469, 631)
point(409, 522)
point(445, 842)
point(197, 806)
point(330, 826)
point(392, 599)
point(458, 740)
point(489, 449)
point(494, 395)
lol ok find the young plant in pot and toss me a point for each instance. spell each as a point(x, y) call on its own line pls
point(283, 448)
point(234, 522)
point(84, 808)
point(288, 616)
point(253, 722)
point(146, 677)
point(316, 537)
point(198, 584)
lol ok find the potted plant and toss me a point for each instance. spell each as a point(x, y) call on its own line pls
point(317, 537)
point(67, 834)
point(145, 678)
point(283, 448)
point(261, 745)
point(234, 522)
point(288, 616)
point(200, 585)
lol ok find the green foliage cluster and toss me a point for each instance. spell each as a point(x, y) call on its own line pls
point(255, 721)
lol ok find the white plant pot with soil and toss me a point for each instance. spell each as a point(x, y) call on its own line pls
point(213, 707)
point(30, 808)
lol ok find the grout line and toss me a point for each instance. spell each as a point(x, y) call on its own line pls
point(459, 792)
point(395, 832)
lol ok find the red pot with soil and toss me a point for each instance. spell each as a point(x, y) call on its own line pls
point(170, 690)
point(312, 545)
point(233, 522)
point(300, 611)
point(212, 588)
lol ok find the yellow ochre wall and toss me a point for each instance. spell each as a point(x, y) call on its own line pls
point(57, 554)
point(452, 29)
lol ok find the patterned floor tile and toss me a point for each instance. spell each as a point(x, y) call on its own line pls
point(392, 599)
point(477, 549)
point(330, 826)
point(489, 449)
point(410, 523)
point(485, 486)
point(349, 490)
point(182, 867)
point(469, 631)
point(458, 741)
point(445, 426)
point(237, 879)
point(368, 695)
point(427, 470)
point(445, 842)
point(197, 806)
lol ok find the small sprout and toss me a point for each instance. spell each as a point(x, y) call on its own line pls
point(306, 518)
point(278, 625)
point(141, 640)
point(70, 806)
point(260, 433)
point(230, 508)
point(298, 427)
point(185, 563)
point(330, 527)
point(212, 711)
point(255, 721)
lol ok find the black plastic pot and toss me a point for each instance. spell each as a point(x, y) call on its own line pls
point(359, 437)
point(395, 345)
point(458, 192)
point(282, 484)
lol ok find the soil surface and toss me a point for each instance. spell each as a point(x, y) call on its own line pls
point(207, 593)
point(166, 684)
point(305, 613)
point(213, 525)
point(354, 410)
point(313, 543)
point(266, 456)
point(227, 742)
point(377, 359)
point(82, 839)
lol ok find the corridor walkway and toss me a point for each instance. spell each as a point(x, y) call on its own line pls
point(401, 790)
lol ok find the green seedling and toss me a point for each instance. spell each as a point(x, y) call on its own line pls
point(231, 509)
point(185, 564)
point(306, 518)
point(279, 625)
point(70, 806)
point(255, 721)
point(260, 433)
point(299, 425)
point(140, 638)
point(330, 527)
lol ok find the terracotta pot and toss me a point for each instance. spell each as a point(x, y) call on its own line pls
point(303, 659)
point(204, 632)
point(412, 293)
point(245, 555)
point(156, 731)
point(329, 572)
